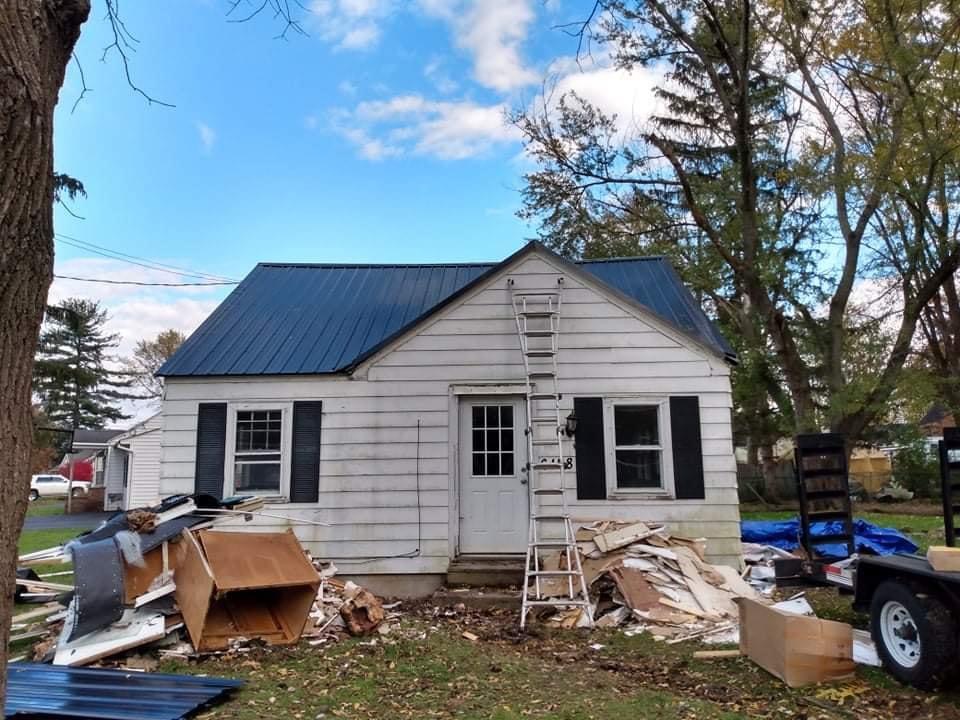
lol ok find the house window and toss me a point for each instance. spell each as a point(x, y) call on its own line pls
point(492, 428)
point(637, 435)
point(258, 451)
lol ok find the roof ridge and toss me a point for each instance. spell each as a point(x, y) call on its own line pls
point(368, 266)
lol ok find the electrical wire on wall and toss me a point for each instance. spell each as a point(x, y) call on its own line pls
point(412, 553)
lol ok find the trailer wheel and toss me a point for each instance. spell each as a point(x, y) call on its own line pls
point(916, 635)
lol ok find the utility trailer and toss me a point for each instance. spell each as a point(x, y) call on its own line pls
point(914, 609)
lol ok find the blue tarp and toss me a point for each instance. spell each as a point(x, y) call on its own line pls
point(785, 535)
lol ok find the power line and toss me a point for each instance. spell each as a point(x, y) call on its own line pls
point(147, 284)
point(133, 259)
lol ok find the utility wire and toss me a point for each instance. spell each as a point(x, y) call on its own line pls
point(147, 284)
point(136, 260)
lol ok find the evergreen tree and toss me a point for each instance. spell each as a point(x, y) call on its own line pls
point(75, 387)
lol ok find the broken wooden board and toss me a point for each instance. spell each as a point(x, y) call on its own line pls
point(637, 593)
point(608, 542)
point(712, 600)
point(944, 559)
point(133, 630)
point(736, 584)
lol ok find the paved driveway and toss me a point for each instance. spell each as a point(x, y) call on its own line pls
point(83, 521)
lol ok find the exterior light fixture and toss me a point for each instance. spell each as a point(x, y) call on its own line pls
point(571, 425)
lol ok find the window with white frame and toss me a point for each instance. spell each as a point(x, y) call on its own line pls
point(258, 452)
point(637, 438)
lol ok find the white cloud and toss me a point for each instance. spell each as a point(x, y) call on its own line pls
point(208, 136)
point(492, 32)
point(135, 312)
point(627, 94)
point(310, 122)
point(437, 74)
point(347, 88)
point(351, 24)
point(413, 124)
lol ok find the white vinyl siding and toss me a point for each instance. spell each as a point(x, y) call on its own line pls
point(369, 451)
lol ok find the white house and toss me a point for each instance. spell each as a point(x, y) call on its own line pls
point(132, 468)
point(387, 401)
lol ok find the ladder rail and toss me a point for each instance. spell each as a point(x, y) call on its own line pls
point(546, 305)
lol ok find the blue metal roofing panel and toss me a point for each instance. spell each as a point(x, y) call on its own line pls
point(287, 319)
point(51, 691)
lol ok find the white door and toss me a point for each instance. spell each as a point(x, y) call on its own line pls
point(493, 477)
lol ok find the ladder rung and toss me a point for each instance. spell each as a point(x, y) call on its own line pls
point(520, 294)
point(547, 491)
point(552, 441)
point(552, 420)
point(540, 353)
point(553, 573)
point(538, 313)
point(558, 601)
point(543, 396)
point(546, 466)
point(550, 517)
point(540, 333)
point(553, 544)
point(541, 374)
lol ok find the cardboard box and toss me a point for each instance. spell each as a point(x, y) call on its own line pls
point(944, 559)
point(797, 649)
point(239, 584)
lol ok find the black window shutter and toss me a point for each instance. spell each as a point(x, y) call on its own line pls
point(591, 472)
point(305, 457)
point(211, 448)
point(687, 449)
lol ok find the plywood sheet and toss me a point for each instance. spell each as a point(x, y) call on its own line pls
point(241, 561)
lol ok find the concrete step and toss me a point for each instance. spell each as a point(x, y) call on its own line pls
point(486, 571)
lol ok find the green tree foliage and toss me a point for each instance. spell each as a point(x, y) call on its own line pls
point(71, 378)
point(148, 356)
point(786, 137)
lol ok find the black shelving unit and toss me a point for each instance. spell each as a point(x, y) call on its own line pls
point(823, 488)
point(950, 481)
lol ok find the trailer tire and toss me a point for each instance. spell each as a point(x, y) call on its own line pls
point(916, 635)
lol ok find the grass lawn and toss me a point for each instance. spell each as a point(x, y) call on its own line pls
point(428, 670)
point(925, 530)
point(44, 507)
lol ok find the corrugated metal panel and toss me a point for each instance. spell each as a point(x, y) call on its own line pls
point(308, 319)
point(53, 691)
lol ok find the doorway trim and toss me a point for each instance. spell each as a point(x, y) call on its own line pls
point(456, 391)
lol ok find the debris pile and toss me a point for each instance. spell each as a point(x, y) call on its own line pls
point(643, 578)
point(165, 581)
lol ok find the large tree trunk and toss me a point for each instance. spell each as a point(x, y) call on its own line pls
point(36, 42)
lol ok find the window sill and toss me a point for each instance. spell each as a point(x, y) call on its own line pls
point(651, 494)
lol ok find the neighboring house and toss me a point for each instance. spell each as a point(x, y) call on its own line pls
point(937, 418)
point(89, 450)
point(132, 468)
point(387, 401)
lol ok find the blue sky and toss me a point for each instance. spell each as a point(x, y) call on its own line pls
point(378, 137)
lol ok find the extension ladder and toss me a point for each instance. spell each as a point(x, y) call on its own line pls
point(537, 315)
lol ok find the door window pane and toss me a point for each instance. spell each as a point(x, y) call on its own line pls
point(492, 433)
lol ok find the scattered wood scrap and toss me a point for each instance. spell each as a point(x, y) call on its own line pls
point(642, 577)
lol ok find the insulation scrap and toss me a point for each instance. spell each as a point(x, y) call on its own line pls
point(643, 578)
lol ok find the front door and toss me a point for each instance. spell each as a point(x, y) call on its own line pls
point(493, 478)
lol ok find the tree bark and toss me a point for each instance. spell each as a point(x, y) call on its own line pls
point(36, 42)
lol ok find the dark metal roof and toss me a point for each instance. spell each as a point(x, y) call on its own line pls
point(48, 691)
point(94, 437)
point(288, 319)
